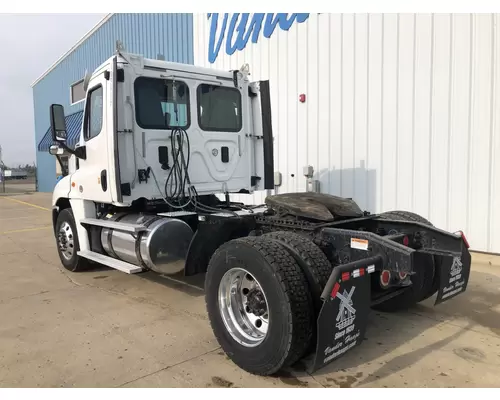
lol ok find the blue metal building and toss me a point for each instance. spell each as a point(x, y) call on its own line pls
point(170, 35)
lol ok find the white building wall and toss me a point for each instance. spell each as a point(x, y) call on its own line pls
point(402, 111)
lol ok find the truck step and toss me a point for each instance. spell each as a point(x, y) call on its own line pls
point(176, 214)
point(110, 262)
point(119, 226)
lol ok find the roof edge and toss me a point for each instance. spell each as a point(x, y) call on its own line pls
point(72, 49)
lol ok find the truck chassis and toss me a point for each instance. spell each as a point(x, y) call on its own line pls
point(280, 286)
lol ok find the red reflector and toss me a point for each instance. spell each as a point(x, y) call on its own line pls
point(361, 271)
point(335, 289)
point(385, 277)
point(406, 241)
point(346, 276)
point(464, 239)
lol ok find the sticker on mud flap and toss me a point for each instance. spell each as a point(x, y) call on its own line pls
point(360, 244)
point(347, 334)
point(343, 317)
point(456, 281)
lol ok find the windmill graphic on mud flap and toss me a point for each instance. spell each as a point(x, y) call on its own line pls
point(456, 267)
point(347, 313)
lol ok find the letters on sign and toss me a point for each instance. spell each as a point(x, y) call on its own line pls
point(238, 29)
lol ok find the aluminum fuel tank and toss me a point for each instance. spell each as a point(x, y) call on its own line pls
point(162, 247)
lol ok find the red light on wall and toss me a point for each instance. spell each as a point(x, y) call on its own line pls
point(302, 98)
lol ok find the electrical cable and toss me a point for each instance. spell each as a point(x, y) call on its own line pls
point(178, 181)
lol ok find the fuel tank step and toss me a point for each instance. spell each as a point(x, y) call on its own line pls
point(119, 226)
point(175, 214)
point(110, 262)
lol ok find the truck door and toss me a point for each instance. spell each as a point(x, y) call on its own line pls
point(220, 154)
point(92, 180)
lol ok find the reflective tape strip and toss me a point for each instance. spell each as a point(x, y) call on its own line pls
point(345, 276)
point(335, 289)
point(370, 269)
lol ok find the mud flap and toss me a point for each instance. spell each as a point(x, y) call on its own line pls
point(453, 276)
point(342, 321)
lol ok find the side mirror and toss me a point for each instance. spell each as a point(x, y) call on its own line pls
point(58, 123)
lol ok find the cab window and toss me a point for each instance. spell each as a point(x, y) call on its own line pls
point(161, 103)
point(219, 108)
point(94, 113)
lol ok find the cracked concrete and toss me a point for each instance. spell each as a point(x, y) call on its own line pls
point(103, 328)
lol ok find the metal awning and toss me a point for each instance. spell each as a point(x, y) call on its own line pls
point(73, 126)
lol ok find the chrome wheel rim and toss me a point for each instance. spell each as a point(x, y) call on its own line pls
point(243, 307)
point(66, 241)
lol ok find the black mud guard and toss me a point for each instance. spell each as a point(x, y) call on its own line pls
point(453, 275)
point(209, 236)
point(342, 321)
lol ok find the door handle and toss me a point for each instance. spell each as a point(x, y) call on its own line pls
point(104, 180)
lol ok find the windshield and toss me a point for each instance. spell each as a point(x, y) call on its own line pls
point(161, 103)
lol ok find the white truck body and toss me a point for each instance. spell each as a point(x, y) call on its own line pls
point(136, 146)
point(124, 128)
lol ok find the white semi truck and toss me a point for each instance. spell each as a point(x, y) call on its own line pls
point(293, 277)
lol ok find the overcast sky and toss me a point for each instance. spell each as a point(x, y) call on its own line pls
point(30, 44)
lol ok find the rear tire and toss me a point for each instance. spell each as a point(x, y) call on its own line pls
point(424, 281)
point(310, 258)
point(288, 304)
point(67, 242)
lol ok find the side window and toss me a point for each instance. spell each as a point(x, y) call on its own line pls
point(161, 103)
point(219, 108)
point(94, 113)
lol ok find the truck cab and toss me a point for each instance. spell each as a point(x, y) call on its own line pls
point(145, 120)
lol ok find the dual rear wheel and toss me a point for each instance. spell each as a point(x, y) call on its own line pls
point(263, 296)
point(260, 300)
point(424, 280)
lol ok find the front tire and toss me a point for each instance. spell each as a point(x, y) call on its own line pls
point(279, 297)
point(67, 242)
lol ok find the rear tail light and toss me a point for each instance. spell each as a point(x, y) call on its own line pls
point(385, 278)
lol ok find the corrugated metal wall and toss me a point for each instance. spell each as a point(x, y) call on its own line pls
point(147, 34)
point(402, 111)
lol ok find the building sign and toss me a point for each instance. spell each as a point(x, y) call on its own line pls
point(237, 30)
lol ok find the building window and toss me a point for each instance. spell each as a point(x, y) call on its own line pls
point(77, 92)
point(161, 104)
point(93, 113)
point(219, 108)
